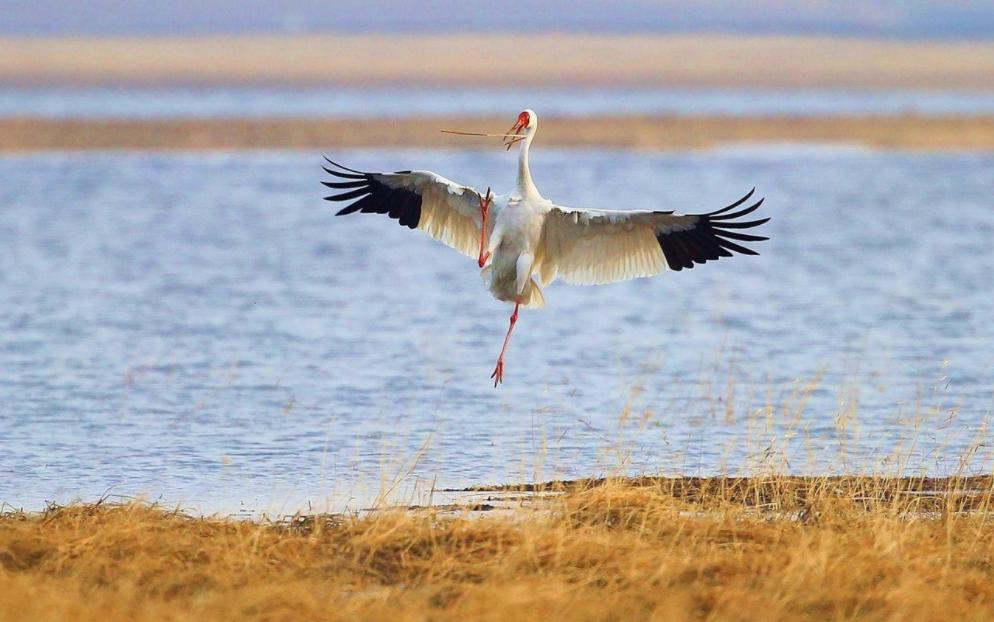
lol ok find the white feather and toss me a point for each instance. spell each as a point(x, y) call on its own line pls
point(450, 212)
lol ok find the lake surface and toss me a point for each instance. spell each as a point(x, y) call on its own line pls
point(200, 329)
point(392, 102)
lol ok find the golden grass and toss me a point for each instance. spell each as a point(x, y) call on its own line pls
point(771, 548)
point(502, 59)
point(664, 132)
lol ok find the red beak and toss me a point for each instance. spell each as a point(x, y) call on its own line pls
point(514, 134)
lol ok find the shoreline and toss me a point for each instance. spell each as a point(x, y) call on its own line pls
point(921, 494)
point(913, 133)
point(486, 59)
point(794, 548)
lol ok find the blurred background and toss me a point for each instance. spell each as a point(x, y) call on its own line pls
point(183, 319)
point(928, 19)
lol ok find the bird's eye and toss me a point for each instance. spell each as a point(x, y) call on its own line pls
point(524, 119)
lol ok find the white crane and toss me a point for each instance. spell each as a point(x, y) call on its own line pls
point(524, 235)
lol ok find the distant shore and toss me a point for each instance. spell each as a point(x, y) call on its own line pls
point(483, 59)
point(639, 132)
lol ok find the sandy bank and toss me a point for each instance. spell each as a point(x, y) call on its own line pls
point(488, 59)
point(904, 132)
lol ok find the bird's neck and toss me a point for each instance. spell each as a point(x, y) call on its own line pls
point(526, 187)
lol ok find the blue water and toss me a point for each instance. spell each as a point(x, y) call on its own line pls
point(400, 101)
point(201, 329)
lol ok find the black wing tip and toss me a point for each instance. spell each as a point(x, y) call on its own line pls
point(716, 235)
point(341, 166)
point(367, 193)
point(723, 227)
point(732, 206)
point(343, 172)
point(348, 209)
point(356, 185)
point(722, 216)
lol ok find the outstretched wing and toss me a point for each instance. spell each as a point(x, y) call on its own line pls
point(445, 210)
point(590, 247)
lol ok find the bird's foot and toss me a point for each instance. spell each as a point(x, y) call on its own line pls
point(498, 375)
point(484, 256)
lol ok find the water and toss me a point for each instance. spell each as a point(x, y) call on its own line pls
point(200, 329)
point(397, 101)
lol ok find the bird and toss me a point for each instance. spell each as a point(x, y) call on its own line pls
point(523, 241)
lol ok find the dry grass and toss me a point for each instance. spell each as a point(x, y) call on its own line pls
point(502, 59)
point(771, 548)
point(899, 132)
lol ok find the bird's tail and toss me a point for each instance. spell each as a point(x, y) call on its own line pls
point(533, 297)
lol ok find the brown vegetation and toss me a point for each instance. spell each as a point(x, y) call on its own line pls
point(502, 59)
point(901, 132)
point(771, 548)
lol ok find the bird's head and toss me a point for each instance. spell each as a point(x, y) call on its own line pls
point(526, 125)
point(524, 128)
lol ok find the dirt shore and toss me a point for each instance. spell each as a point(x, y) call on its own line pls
point(479, 59)
point(902, 132)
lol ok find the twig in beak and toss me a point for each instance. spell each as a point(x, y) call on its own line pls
point(514, 133)
point(518, 136)
point(510, 139)
point(514, 140)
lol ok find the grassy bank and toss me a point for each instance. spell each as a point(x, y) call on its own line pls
point(774, 548)
point(896, 132)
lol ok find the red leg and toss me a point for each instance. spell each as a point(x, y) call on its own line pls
point(484, 212)
point(498, 374)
